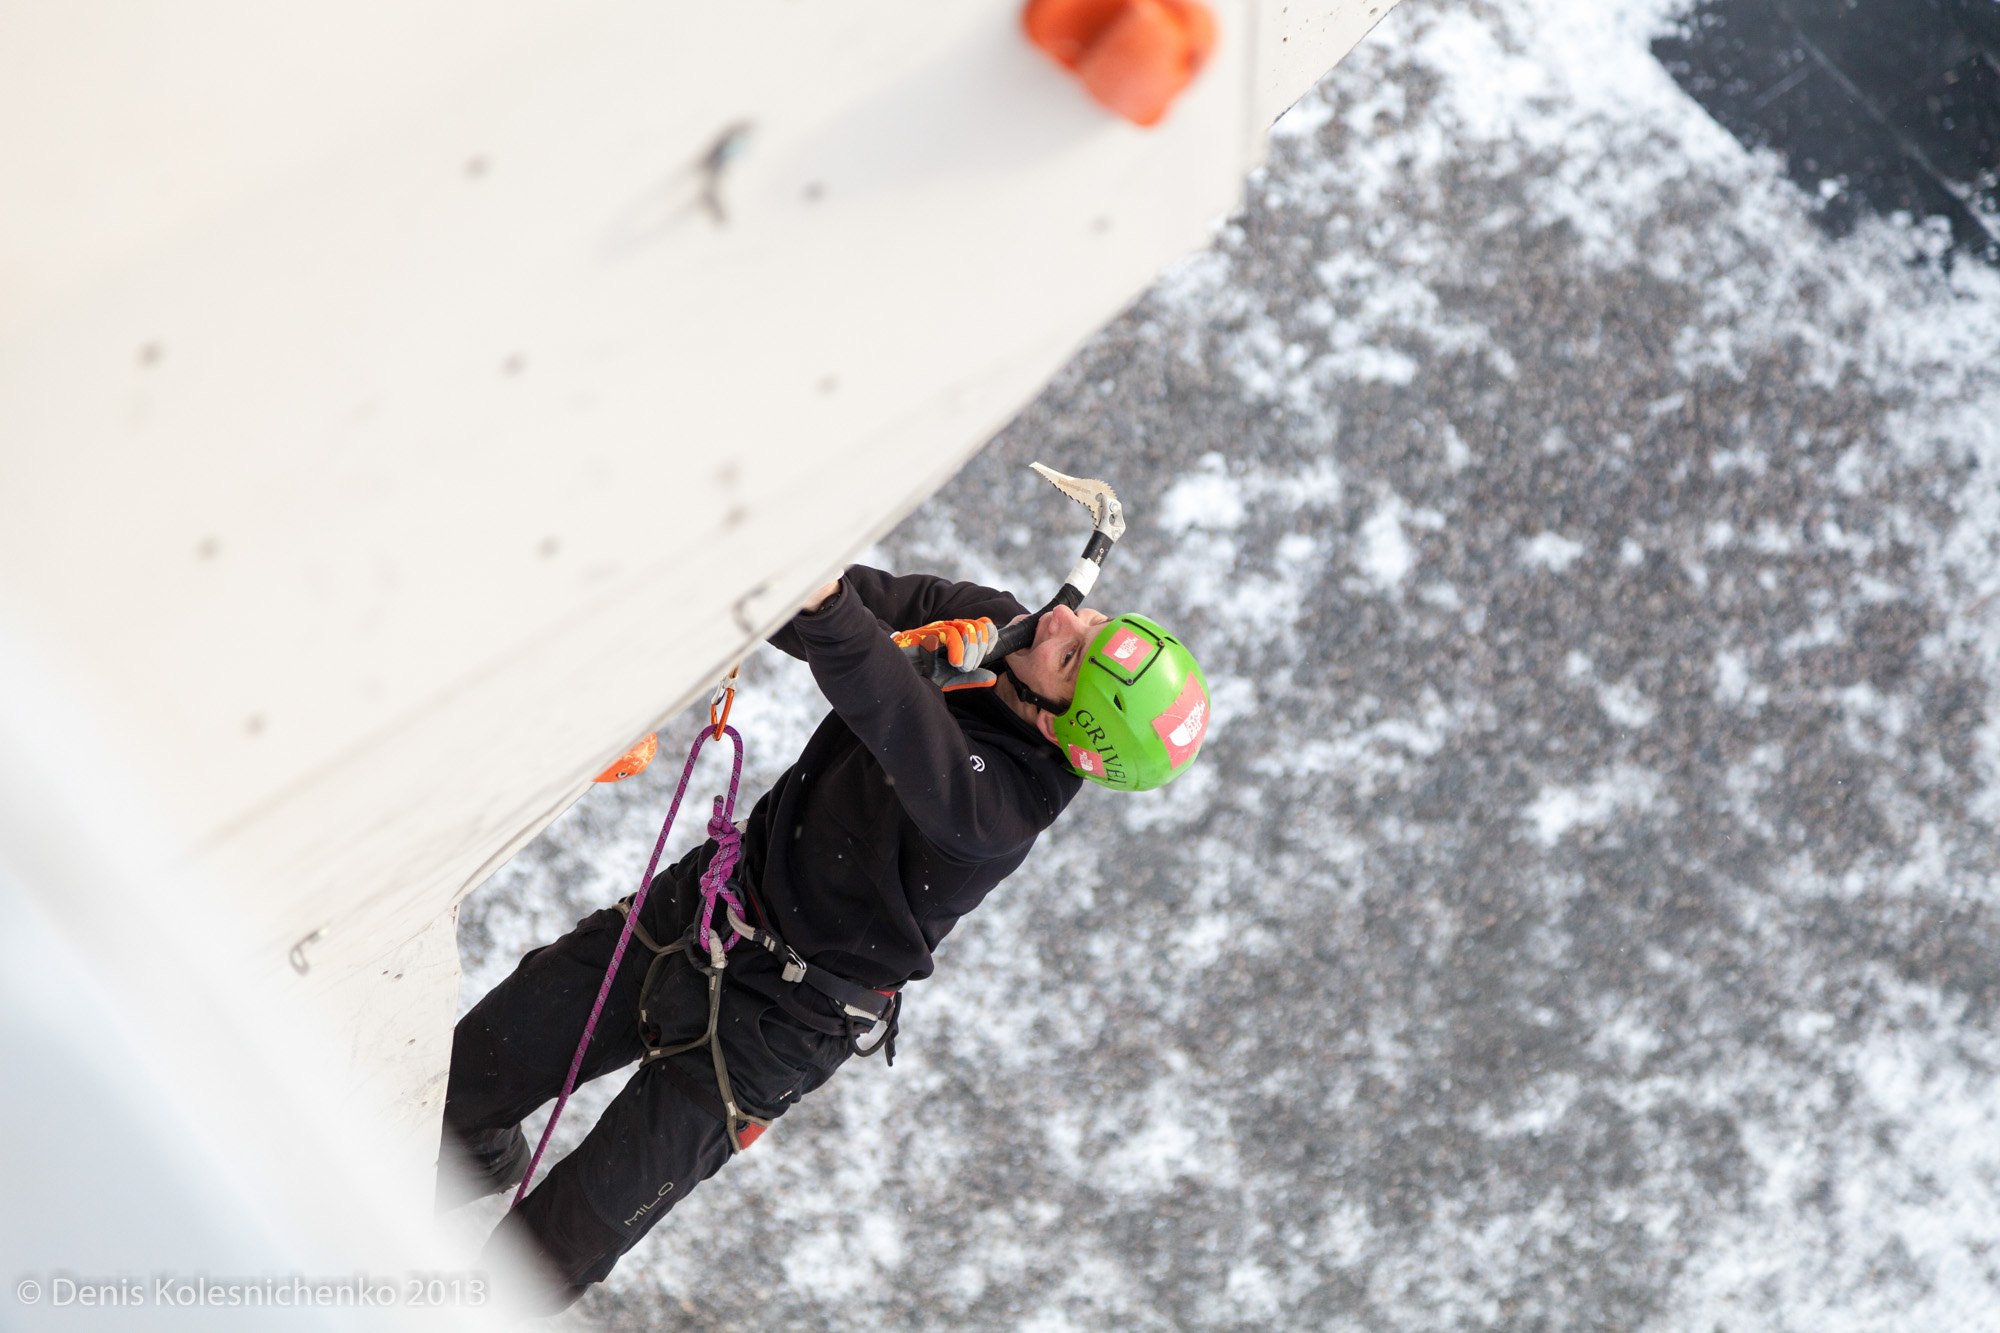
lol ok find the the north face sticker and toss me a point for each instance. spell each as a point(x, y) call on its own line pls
point(1184, 723)
point(1086, 761)
point(1129, 650)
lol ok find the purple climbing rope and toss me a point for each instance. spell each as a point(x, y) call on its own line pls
point(714, 886)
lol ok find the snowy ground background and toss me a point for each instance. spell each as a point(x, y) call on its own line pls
point(1583, 914)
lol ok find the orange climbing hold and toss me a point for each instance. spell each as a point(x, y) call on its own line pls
point(1134, 56)
point(632, 761)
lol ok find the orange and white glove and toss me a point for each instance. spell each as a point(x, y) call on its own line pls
point(949, 652)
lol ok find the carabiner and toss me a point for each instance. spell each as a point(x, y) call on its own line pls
point(724, 699)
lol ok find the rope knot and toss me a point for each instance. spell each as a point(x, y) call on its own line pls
point(715, 879)
point(727, 838)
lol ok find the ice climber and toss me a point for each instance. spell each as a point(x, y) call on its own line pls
point(907, 806)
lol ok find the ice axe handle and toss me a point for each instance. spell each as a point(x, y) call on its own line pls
point(1013, 638)
point(1082, 577)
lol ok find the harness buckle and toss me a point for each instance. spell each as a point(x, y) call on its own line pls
point(882, 1028)
point(795, 966)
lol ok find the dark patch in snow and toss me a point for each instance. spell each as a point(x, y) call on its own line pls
point(1881, 106)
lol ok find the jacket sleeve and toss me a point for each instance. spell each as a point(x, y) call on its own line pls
point(970, 811)
point(905, 601)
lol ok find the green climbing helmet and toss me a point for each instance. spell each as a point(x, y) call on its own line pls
point(1140, 709)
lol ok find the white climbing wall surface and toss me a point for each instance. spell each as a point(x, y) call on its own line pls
point(401, 410)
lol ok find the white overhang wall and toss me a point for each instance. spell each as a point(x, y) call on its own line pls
point(397, 419)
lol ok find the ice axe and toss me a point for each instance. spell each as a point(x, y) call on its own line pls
point(927, 645)
point(1108, 525)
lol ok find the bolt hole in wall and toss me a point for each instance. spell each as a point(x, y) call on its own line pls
point(1878, 106)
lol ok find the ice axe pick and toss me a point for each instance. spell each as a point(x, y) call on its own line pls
point(1107, 526)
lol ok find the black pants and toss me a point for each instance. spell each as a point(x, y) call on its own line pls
point(661, 1137)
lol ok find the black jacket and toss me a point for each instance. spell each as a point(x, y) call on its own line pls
point(908, 805)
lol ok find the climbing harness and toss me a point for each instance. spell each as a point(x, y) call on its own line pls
point(862, 1010)
point(728, 851)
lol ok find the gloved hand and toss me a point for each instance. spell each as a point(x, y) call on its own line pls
point(949, 652)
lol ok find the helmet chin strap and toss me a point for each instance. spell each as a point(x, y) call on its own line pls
point(1027, 695)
